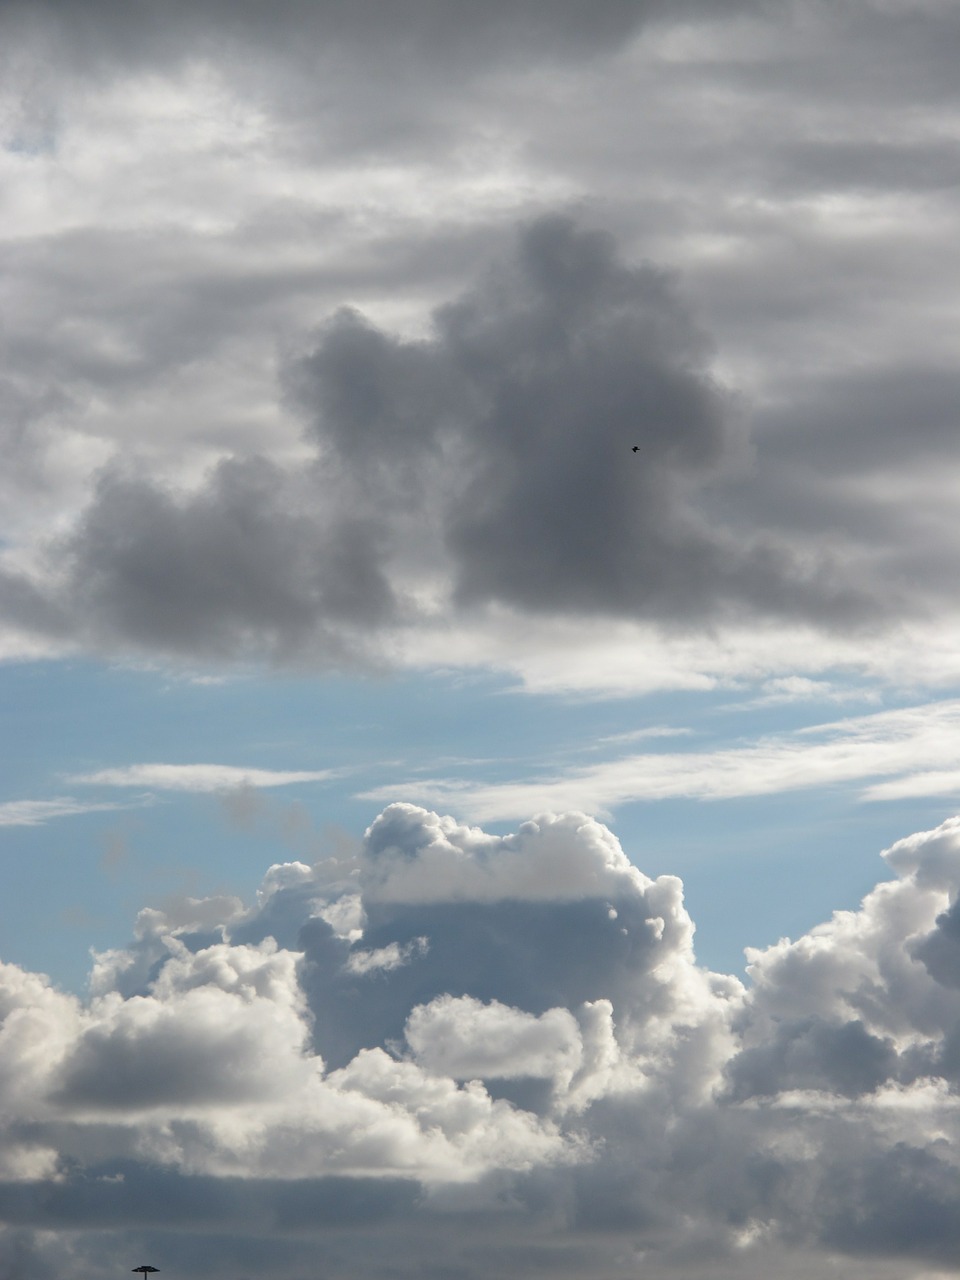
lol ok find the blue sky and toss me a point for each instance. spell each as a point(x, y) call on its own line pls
point(755, 866)
point(478, 665)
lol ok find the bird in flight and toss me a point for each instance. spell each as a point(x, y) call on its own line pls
point(636, 448)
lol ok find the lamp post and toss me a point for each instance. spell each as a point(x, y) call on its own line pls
point(145, 1271)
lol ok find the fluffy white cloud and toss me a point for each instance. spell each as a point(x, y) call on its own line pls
point(467, 1039)
point(204, 1046)
point(38, 1026)
point(413, 856)
point(219, 1028)
point(577, 1052)
point(546, 1049)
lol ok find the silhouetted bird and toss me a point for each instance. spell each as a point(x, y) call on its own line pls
point(636, 448)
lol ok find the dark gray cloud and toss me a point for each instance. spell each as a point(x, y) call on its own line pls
point(516, 421)
point(102, 31)
point(532, 392)
point(531, 956)
point(242, 565)
point(811, 1053)
point(492, 457)
point(939, 951)
point(869, 167)
point(20, 1257)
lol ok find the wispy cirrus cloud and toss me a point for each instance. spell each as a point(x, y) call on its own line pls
point(915, 751)
point(640, 735)
point(199, 777)
point(33, 813)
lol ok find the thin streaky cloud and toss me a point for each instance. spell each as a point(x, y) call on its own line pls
point(639, 735)
point(789, 690)
point(34, 813)
point(903, 745)
point(933, 782)
point(200, 777)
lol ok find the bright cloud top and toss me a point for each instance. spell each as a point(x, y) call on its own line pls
point(508, 1021)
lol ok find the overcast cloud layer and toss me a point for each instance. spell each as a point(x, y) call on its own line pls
point(488, 1053)
point(332, 334)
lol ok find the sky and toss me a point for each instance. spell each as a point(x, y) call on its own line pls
point(479, 675)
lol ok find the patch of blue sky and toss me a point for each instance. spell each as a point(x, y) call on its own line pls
point(779, 860)
point(32, 143)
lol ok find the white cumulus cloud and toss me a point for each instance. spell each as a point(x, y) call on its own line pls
point(517, 1046)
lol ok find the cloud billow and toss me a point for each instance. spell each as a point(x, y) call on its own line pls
point(515, 420)
point(246, 561)
point(451, 1022)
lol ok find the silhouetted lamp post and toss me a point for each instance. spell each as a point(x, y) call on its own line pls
point(145, 1271)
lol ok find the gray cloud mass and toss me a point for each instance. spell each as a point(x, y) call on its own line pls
point(99, 31)
point(336, 268)
point(492, 459)
point(242, 558)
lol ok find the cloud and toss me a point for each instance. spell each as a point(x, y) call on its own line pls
point(199, 777)
point(222, 1027)
point(467, 1039)
point(547, 1059)
point(244, 563)
point(412, 856)
point(533, 388)
point(931, 782)
point(233, 780)
point(382, 958)
point(101, 35)
point(32, 813)
point(229, 1035)
point(785, 690)
point(638, 735)
point(901, 742)
point(485, 466)
point(195, 202)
